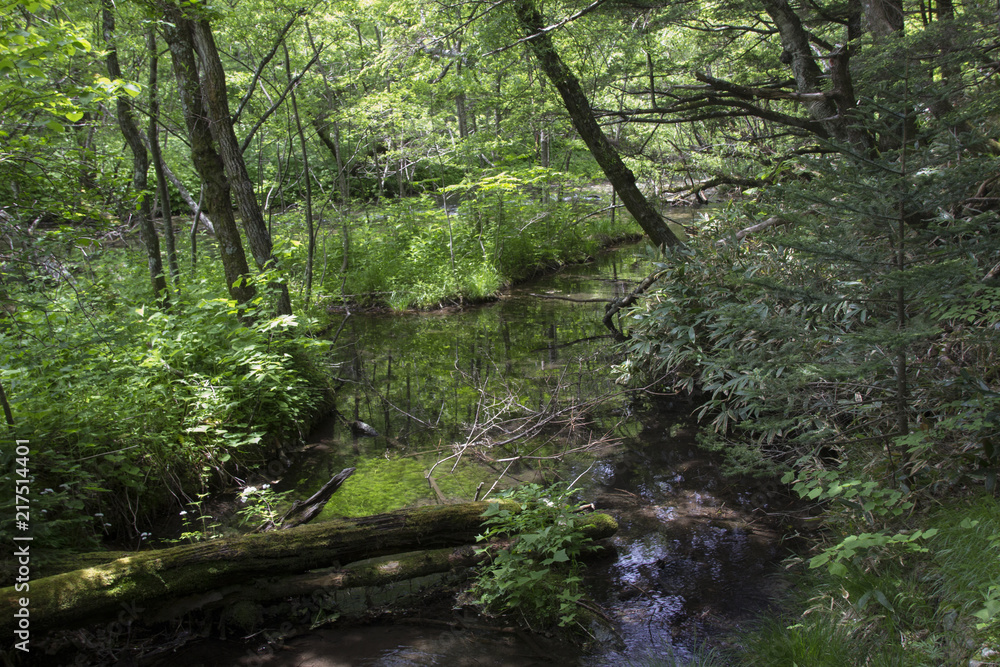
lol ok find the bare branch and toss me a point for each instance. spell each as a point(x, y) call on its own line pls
point(263, 63)
point(277, 103)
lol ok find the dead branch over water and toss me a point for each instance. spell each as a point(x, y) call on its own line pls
point(517, 421)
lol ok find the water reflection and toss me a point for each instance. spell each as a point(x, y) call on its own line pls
point(693, 554)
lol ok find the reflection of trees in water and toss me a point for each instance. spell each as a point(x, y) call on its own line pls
point(523, 384)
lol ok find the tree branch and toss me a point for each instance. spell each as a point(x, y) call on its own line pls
point(546, 30)
point(263, 64)
point(277, 103)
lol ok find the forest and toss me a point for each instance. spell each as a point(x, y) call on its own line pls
point(197, 197)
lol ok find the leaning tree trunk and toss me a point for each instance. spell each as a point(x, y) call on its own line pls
point(621, 177)
point(196, 208)
point(207, 162)
point(217, 103)
point(140, 162)
point(154, 580)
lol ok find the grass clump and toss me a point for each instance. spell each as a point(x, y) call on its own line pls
point(932, 606)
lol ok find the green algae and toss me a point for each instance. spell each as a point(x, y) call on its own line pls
point(379, 485)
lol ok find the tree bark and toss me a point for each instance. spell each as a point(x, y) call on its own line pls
point(206, 159)
point(8, 415)
point(154, 149)
point(155, 579)
point(883, 17)
point(196, 208)
point(217, 103)
point(621, 177)
point(310, 231)
point(304, 512)
point(824, 109)
point(379, 572)
point(140, 161)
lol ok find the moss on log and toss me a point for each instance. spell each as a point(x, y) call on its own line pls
point(383, 571)
point(158, 578)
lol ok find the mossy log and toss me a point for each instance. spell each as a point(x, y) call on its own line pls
point(372, 572)
point(154, 579)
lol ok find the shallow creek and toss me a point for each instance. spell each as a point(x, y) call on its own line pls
point(696, 555)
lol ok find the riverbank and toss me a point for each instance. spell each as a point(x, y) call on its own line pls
point(416, 254)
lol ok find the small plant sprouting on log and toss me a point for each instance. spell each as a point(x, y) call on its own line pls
point(539, 575)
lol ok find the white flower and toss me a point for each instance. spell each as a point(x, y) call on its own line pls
point(99, 514)
point(183, 512)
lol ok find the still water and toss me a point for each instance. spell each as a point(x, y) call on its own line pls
point(469, 402)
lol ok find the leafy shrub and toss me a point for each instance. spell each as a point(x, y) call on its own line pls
point(539, 576)
point(415, 253)
point(131, 410)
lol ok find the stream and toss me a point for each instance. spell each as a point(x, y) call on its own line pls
point(472, 401)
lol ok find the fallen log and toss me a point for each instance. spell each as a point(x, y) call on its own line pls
point(301, 512)
point(760, 226)
point(160, 578)
point(373, 572)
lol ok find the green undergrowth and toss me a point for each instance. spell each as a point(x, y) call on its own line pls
point(538, 579)
point(413, 253)
point(891, 605)
point(131, 408)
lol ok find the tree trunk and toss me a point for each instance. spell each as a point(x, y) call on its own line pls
point(333, 144)
point(196, 207)
point(140, 162)
point(621, 177)
point(388, 571)
point(809, 77)
point(207, 161)
point(883, 17)
point(154, 149)
point(217, 103)
point(154, 579)
point(8, 415)
point(311, 245)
